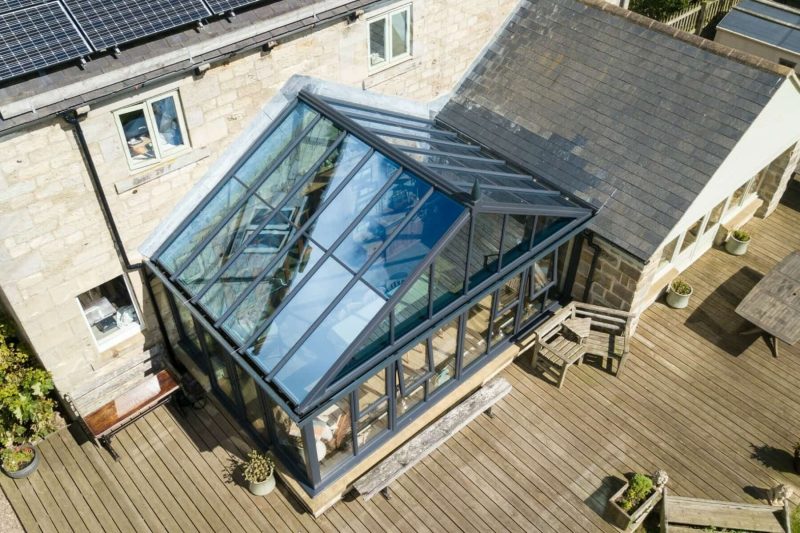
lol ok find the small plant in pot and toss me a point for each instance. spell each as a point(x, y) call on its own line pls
point(629, 506)
point(19, 461)
point(678, 294)
point(737, 242)
point(259, 470)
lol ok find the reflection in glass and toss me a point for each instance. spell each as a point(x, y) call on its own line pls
point(542, 272)
point(412, 309)
point(251, 401)
point(165, 311)
point(378, 224)
point(373, 424)
point(547, 227)
point(509, 293)
point(691, 234)
point(476, 332)
point(517, 237)
point(503, 324)
point(138, 138)
point(271, 147)
point(371, 391)
point(443, 344)
point(399, 22)
point(448, 270)
point(320, 351)
point(261, 302)
point(217, 357)
point(666, 253)
point(485, 247)
point(288, 437)
point(532, 307)
point(376, 341)
point(414, 365)
point(716, 215)
point(168, 129)
point(377, 42)
point(411, 399)
point(413, 244)
point(201, 225)
point(302, 310)
point(333, 432)
point(189, 332)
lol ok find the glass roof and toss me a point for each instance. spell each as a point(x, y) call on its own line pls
point(315, 231)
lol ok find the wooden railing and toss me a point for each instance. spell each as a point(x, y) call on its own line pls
point(694, 19)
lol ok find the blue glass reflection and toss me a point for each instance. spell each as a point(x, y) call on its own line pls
point(326, 344)
point(302, 310)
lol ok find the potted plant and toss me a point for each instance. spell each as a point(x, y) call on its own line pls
point(678, 294)
point(631, 504)
point(737, 242)
point(19, 461)
point(26, 411)
point(259, 472)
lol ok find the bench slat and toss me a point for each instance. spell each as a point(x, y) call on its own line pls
point(750, 517)
point(430, 438)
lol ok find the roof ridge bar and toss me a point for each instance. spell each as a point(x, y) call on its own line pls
point(411, 136)
point(276, 209)
point(239, 203)
point(301, 231)
point(472, 170)
point(328, 252)
point(355, 115)
point(454, 155)
point(363, 107)
point(492, 186)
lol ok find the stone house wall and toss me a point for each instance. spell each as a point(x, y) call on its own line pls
point(775, 178)
point(54, 243)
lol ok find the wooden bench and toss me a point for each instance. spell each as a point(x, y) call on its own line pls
point(112, 417)
point(690, 515)
point(381, 476)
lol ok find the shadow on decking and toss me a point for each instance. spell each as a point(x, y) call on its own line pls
point(715, 319)
point(791, 197)
point(775, 458)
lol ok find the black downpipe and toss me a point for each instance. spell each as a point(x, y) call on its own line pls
point(590, 277)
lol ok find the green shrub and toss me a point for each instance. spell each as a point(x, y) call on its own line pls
point(26, 410)
point(795, 519)
point(15, 459)
point(639, 488)
point(258, 467)
point(681, 287)
point(658, 9)
point(741, 235)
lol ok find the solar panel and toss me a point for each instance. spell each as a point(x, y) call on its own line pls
point(113, 22)
point(37, 37)
point(223, 6)
point(13, 5)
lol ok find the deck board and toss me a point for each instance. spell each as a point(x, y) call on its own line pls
point(712, 407)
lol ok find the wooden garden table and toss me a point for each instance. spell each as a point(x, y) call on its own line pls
point(773, 305)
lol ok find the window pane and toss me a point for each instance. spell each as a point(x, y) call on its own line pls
point(187, 325)
point(201, 225)
point(669, 249)
point(738, 195)
point(448, 270)
point(532, 307)
point(413, 244)
point(503, 324)
point(412, 309)
point(477, 330)
point(218, 357)
point(165, 311)
point(288, 437)
point(373, 424)
point(485, 247)
point(517, 237)
point(443, 344)
point(267, 295)
point(298, 315)
point(352, 200)
point(137, 136)
point(376, 341)
point(299, 162)
point(333, 429)
point(320, 351)
point(371, 391)
point(109, 310)
point(546, 227)
point(410, 400)
point(542, 272)
point(168, 128)
point(271, 147)
point(251, 401)
point(216, 254)
point(691, 235)
point(414, 365)
point(509, 293)
point(716, 215)
point(377, 42)
point(400, 34)
point(384, 217)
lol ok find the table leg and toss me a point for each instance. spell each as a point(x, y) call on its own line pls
point(774, 346)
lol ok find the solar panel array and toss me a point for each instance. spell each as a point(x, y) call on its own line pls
point(37, 37)
point(37, 34)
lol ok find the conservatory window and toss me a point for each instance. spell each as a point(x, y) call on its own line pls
point(152, 130)
point(110, 312)
point(333, 431)
point(476, 331)
point(443, 345)
point(390, 37)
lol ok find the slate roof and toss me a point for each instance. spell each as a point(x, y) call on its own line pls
point(612, 107)
point(768, 22)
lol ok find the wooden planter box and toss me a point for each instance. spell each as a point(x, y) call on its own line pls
point(620, 518)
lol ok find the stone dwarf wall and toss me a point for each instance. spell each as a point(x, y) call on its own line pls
point(54, 243)
point(775, 178)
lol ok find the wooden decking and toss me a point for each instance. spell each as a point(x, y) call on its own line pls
point(711, 407)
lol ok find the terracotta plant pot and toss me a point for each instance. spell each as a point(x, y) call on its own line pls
point(27, 470)
point(262, 488)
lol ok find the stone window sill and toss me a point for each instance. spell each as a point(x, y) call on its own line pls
point(183, 160)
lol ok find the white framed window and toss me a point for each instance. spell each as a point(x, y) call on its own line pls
point(152, 130)
point(110, 312)
point(390, 37)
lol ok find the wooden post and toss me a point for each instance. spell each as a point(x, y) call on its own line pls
point(701, 17)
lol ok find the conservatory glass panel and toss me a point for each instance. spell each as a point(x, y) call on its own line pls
point(162, 298)
point(532, 307)
point(412, 309)
point(288, 437)
point(351, 201)
point(261, 302)
point(449, 269)
point(333, 432)
point(542, 272)
point(517, 238)
point(227, 241)
point(384, 217)
point(443, 344)
point(201, 225)
point(547, 226)
point(297, 316)
point(371, 391)
point(357, 112)
point(476, 332)
point(299, 162)
point(413, 244)
point(414, 365)
point(187, 326)
point(218, 358)
point(320, 351)
point(376, 341)
point(503, 324)
point(509, 293)
point(373, 424)
point(411, 399)
point(251, 401)
point(271, 147)
point(485, 247)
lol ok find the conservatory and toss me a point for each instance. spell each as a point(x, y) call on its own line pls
point(350, 271)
